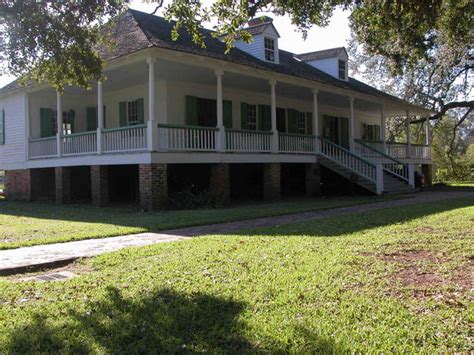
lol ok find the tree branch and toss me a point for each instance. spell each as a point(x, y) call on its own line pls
point(445, 108)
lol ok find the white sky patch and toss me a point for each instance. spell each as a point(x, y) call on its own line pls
point(336, 34)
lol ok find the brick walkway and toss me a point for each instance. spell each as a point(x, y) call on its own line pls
point(43, 255)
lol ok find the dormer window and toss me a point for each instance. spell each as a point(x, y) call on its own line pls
point(342, 69)
point(269, 49)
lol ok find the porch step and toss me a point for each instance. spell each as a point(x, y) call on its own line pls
point(345, 172)
point(395, 185)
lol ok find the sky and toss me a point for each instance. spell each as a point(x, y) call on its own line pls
point(336, 34)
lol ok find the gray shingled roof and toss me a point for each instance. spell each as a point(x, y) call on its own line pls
point(135, 30)
point(326, 53)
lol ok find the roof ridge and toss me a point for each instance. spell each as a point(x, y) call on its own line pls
point(131, 12)
point(321, 50)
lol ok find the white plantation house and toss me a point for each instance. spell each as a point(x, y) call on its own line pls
point(259, 121)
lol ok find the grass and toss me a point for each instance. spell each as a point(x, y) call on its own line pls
point(26, 224)
point(327, 286)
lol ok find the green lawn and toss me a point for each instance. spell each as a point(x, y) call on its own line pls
point(24, 224)
point(385, 281)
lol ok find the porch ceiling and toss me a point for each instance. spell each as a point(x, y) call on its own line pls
point(137, 73)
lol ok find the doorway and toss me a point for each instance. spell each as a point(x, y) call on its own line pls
point(336, 130)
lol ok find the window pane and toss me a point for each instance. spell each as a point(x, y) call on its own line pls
point(252, 117)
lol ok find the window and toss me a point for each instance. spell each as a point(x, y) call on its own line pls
point(301, 122)
point(252, 117)
point(132, 113)
point(269, 49)
point(342, 69)
point(68, 122)
point(371, 132)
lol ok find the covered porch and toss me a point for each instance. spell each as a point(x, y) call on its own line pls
point(176, 105)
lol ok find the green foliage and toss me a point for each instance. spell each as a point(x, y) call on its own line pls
point(320, 287)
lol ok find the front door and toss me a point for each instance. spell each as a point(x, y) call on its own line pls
point(206, 112)
point(336, 130)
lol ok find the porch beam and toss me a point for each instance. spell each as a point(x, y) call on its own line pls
point(100, 116)
point(315, 92)
point(220, 112)
point(351, 123)
point(152, 134)
point(408, 133)
point(59, 122)
point(274, 116)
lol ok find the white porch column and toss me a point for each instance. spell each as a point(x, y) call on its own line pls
point(27, 126)
point(315, 132)
point(100, 116)
point(427, 132)
point(382, 129)
point(275, 147)
point(220, 142)
point(152, 129)
point(408, 133)
point(351, 123)
point(59, 122)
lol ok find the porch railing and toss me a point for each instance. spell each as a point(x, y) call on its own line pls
point(420, 151)
point(295, 143)
point(187, 138)
point(348, 159)
point(390, 164)
point(43, 147)
point(400, 150)
point(130, 138)
point(248, 141)
point(79, 143)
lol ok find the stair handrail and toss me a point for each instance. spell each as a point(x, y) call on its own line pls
point(400, 173)
point(373, 166)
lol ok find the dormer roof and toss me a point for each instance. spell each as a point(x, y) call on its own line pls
point(326, 53)
point(259, 25)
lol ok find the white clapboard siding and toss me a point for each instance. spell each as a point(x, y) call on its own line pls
point(13, 151)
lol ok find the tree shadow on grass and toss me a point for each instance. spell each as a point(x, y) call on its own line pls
point(162, 322)
point(358, 222)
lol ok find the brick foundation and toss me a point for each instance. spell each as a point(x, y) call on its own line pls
point(63, 184)
point(100, 185)
point(18, 185)
point(313, 179)
point(219, 181)
point(271, 181)
point(153, 185)
point(427, 171)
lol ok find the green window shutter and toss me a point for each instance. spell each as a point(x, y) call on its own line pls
point(364, 131)
point(46, 117)
point(91, 119)
point(123, 113)
point(105, 121)
point(227, 108)
point(191, 111)
point(344, 132)
point(140, 111)
point(309, 123)
point(243, 115)
point(2, 127)
point(292, 124)
point(264, 118)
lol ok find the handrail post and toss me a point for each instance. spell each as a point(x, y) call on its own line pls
point(411, 175)
point(379, 178)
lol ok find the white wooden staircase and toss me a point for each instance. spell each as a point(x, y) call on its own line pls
point(367, 167)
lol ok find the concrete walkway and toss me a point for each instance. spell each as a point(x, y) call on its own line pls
point(21, 259)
